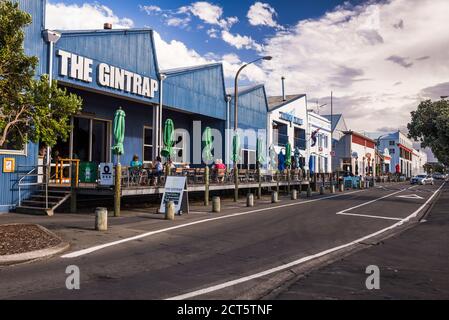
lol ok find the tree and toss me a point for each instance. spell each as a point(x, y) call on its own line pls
point(30, 109)
point(430, 126)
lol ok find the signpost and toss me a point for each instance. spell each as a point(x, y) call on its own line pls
point(176, 191)
point(106, 174)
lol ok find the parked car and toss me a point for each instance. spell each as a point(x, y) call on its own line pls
point(439, 176)
point(422, 179)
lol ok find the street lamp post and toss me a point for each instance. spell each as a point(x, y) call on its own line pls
point(236, 98)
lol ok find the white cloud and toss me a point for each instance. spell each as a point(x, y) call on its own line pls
point(86, 16)
point(178, 22)
point(262, 14)
point(151, 9)
point(361, 53)
point(240, 42)
point(209, 13)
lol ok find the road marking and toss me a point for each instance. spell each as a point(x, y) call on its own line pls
point(368, 216)
point(83, 252)
point(372, 201)
point(411, 196)
point(300, 261)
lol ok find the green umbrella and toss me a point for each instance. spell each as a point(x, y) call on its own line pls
point(236, 149)
point(260, 151)
point(208, 145)
point(288, 155)
point(169, 132)
point(119, 132)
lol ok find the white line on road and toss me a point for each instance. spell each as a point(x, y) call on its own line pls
point(372, 201)
point(83, 252)
point(299, 261)
point(367, 216)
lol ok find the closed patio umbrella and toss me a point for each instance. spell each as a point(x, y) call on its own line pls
point(260, 151)
point(288, 155)
point(236, 149)
point(169, 132)
point(311, 165)
point(208, 145)
point(119, 133)
point(297, 156)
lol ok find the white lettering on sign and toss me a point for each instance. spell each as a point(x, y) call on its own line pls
point(81, 68)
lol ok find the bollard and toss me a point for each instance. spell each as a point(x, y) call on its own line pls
point(321, 190)
point(170, 211)
point(250, 200)
point(101, 219)
point(332, 189)
point(309, 191)
point(274, 197)
point(294, 194)
point(342, 187)
point(361, 184)
point(216, 204)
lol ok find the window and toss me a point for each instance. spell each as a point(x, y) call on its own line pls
point(392, 151)
point(326, 141)
point(12, 146)
point(300, 139)
point(147, 144)
point(392, 143)
point(248, 159)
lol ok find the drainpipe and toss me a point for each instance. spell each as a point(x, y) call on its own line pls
point(160, 124)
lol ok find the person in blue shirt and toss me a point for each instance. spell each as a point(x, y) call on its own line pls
point(136, 163)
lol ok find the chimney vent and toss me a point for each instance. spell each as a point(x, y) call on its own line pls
point(108, 26)
point(284, 98)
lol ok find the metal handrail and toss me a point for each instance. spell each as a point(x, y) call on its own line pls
point(32, 174)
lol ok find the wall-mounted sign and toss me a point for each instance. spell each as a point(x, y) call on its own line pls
point(9, 165)
point(81, 68)
point(106, 174)
point(290, 117)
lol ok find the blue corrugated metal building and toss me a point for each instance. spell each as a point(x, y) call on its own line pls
point(119, 68)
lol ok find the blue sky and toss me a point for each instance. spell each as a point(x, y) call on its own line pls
point(288, 13)
point(379, 58)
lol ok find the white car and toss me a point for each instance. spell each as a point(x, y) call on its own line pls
point(422, 179)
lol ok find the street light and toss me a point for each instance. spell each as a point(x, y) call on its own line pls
point(236, 98)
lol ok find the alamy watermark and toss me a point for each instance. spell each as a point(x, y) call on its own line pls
point(373, 280)
point(72, 282)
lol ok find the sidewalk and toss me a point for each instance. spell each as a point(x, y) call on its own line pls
point(413, 265)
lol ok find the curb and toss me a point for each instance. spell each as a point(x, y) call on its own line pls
point(8, 260)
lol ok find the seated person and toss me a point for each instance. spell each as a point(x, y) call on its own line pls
point(136, 163)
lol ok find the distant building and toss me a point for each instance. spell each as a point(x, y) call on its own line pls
point(356, 154)
point(339, 127)
point(401, 151)
point(319, 127)
point(287, 122)
point(418, 162)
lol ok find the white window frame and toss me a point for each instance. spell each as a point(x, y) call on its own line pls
point(23, 152)
point(242, 158)
point(147, 145)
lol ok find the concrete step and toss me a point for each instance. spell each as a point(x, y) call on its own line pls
point(34, 210)
point(39, 204)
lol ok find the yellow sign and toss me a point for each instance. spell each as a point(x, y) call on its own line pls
point(9, 165)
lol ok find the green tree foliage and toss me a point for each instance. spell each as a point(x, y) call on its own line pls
point(30, 109)
point(430, 126)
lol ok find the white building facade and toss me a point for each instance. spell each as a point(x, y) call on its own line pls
point(319, 143)
point(401, 152)
point(287, 123)
point(418, 162)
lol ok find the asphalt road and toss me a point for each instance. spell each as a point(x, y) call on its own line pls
point(213, 253)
